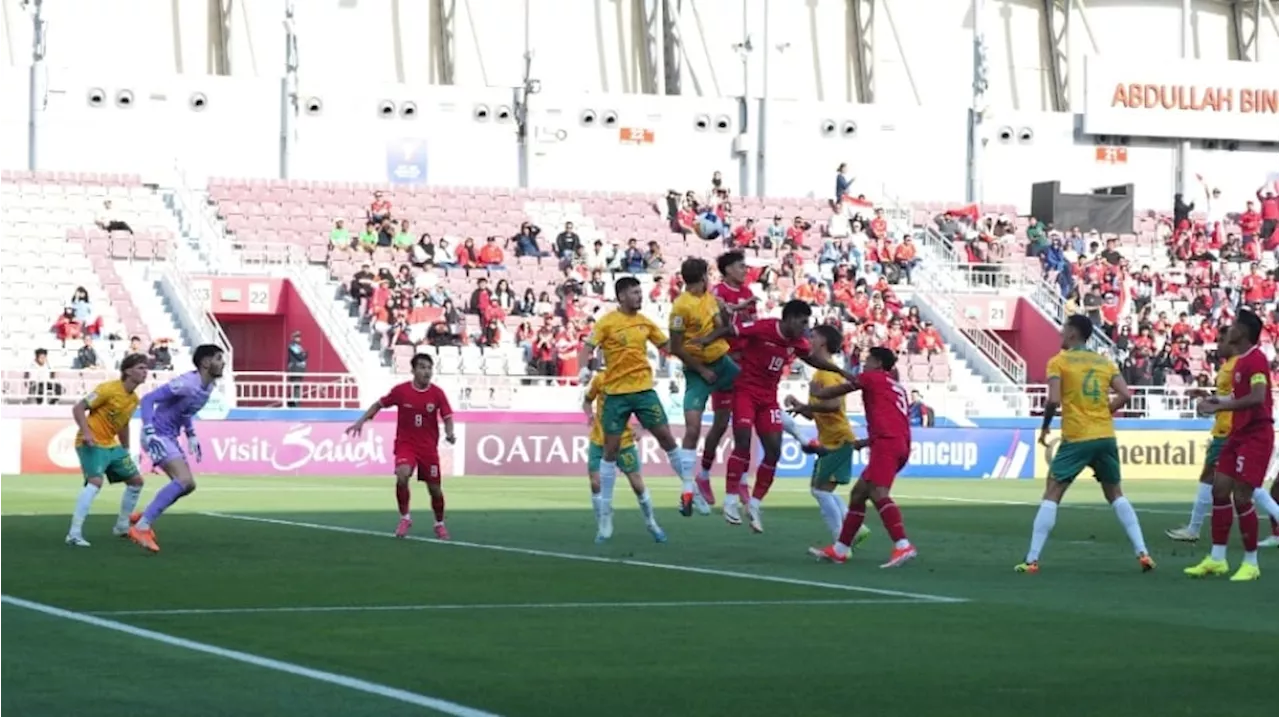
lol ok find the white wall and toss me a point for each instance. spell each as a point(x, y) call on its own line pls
point(356, 54)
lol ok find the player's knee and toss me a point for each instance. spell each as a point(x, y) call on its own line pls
point(879, 494)
point(134, 482)
point(403, 474)
point(188, 487)
point(1112, 492)
point(1242, 493)
point(96, 481)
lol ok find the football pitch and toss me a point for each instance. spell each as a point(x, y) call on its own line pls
point(289, 596)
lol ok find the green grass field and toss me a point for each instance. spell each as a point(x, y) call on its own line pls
point(524, 616)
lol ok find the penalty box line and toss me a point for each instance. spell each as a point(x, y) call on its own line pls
point(629, 605)
point(884, 592)
point(432, 703)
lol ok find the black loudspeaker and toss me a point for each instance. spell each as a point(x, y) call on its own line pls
point(1108, 210)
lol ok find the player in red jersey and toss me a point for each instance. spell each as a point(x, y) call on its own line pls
point(889, 437)
point(421, 406)
point(773, 344)
point(1246, 455)
point(739, 304)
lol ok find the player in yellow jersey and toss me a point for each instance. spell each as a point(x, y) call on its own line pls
point(707, 368)
point(1217, 436)
point(623, 337)
point(1082, 382)
point(836, 443)
point(102, 445)
point(628, 461)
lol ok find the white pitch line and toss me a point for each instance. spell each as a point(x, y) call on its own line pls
point(984, 501)
point(391, 693)
point(505, 606)
point(925, 597)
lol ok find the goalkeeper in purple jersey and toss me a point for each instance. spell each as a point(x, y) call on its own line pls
point(166, 412)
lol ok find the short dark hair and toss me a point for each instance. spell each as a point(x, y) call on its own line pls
point(625, 283)
point(830, 336)
point(205, 351)
point(887, 358)
point(135, 338)
point(418, 358)
point(42, 352)
point(693, 270)
point(1252, 325)
point(1082, 325)
point(795, 309)
point(728, 259)
point(133, 360)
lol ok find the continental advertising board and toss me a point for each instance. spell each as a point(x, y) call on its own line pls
point(1154, 454)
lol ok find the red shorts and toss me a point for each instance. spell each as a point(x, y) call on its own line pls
point(721, 401)
point(753, 408)
point(1246, 458)
point(426, 463)
point(887, 459)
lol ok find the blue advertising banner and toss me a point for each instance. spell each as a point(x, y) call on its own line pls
point(407, 161)
point(939, 453)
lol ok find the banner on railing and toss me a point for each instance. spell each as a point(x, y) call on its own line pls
point(556, 445)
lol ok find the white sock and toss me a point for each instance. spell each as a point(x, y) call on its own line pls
point(1251, 558)
point(789, 425)
point(1218, 552)
point(597, 505)
point(1129, 519)
point(1201, 508)
point(677, 458)
point(754, 504)
point(608, 476)
point(829, 507)
point(84, 501)
point(646, 505)
point(128, 502)
point(1040, 529)
point(1263, 498)
point(731, 499)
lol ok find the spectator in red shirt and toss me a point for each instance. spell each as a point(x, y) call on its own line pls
point(466, 256)
point(744, 235)
point(1270, 216)
point(1250, 221)
point(928, 341)
point(1253, 285)
point(490, 254)
point(905, 256)
point(795, 233)
point(878, 228)
point(379, 209)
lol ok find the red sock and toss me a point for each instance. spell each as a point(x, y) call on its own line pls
point(852, 521)
point(1220, 522)
point(402, 498)
point(1248, 520)
point(437, 507)
point(764, 481)
point(734, 468)
point(892, 518)
point(708, 456)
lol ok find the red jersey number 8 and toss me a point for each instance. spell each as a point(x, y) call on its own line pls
point(417, 420)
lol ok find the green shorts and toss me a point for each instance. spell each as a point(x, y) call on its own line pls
point(1212, 451)
point(1100, 454)
point(697, 391)
point(115, 464)
point(628, 458)
point(619, 408)
point(834, 467)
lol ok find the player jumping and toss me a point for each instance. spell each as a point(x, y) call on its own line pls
point(773, 344)
point(738, 303)
point(1081, 382)
point(835, 443)
point(420, 408)
point(707, 369)
point(1245, 456)
point(622, 335)
point(165, 412)
point(889, 438)
point(628, 461)
point(102, 445)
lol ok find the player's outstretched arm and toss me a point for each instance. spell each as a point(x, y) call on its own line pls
point(823, 364)
point(355, 428)
point(1121, 395)
point(818, 404)
point(827, 393)
point(1256, 396)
